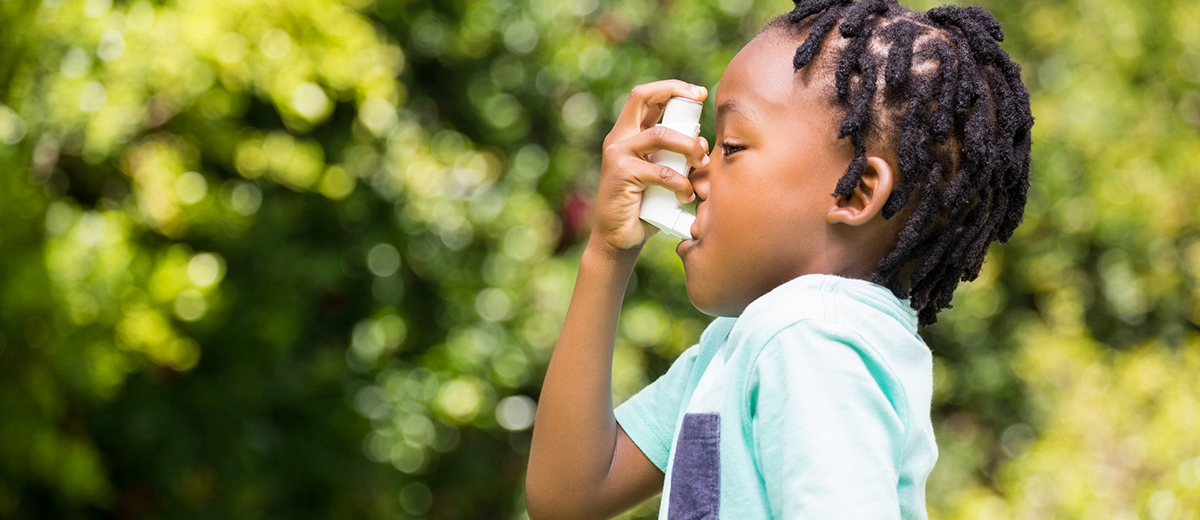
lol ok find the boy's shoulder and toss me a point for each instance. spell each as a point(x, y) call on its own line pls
point(822, 323)
point(820, 301)
point(821, 331)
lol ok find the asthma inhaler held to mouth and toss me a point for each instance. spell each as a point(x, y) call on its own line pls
point(659, 205)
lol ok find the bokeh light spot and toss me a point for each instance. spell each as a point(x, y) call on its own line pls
point(493, 304)
point(112, 46)
point(75, 63)
point(645, 324)
point(1016, 439)
point(596, 61)
point(508, 72)
point(994, 508)
point(503, 110)
point(12, 127)
point(245, 198)
point(407, 458)
point(735, 7)
point(191, 187)
point(521, 36)
point(418, 430)
point(1162, 504)
point(190, 305)
point(461, 398)
point(372, 339)
point(92, 228)
point(582, 7)
point(96, 8)
point(392, 330)
point(275, 43)
point(377, 447)
point(58, 218)
point(93, 97)
point(310, 101)
point(231, 48)
point(378, 115)
point(579, 111)
point(140, 17)
point(516, 412)
point(1189, 473)
point(528, 165)
point(428, 34)
point(336, 183)
point(383, 260)
point(520, 243)
point(205, 269)
point(415, 498)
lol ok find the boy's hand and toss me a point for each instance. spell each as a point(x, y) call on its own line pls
point(625, 172)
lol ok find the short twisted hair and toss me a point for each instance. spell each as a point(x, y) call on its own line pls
point(938, 89)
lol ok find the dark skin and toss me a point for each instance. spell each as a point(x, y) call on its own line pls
point(765, 216)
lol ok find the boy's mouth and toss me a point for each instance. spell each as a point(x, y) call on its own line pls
point(685, 245)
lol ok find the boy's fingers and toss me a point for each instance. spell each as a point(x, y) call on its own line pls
point(663, 138)
point(645, 104)
point(650, 174)
point(652, 115)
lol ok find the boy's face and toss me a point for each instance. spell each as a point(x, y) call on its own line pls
point(764, 196)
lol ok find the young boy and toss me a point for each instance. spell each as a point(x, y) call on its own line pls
point(868, 156)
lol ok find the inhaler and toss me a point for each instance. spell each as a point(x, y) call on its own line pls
point(659, 205)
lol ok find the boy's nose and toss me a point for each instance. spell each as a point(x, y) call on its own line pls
point(699, 176)
point(699, 180)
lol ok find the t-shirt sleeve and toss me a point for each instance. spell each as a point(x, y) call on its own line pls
point(649, 416)
point(827, 433)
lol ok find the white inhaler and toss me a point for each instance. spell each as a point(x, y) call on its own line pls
point(659, 205)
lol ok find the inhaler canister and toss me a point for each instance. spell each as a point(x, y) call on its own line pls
point(659, 205)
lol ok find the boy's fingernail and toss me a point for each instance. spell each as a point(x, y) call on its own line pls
point(704, 162)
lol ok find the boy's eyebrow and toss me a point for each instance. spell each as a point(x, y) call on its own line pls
point(732, 107)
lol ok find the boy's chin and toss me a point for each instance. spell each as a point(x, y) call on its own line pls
point(708, 301)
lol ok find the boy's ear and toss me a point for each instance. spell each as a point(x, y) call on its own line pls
point(867, 199)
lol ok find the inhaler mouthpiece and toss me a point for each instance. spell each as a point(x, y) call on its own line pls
point(659, 205)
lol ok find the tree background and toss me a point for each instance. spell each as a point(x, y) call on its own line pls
point(308, 258)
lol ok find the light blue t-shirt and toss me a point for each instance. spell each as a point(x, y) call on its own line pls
point(813, 404)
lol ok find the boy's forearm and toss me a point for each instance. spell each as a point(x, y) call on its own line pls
point(575, 432)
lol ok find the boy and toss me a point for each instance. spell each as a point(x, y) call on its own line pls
point(869, 155)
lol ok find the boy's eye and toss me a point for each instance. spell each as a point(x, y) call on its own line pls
point(729, 149)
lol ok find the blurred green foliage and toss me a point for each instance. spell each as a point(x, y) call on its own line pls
point(308, 259)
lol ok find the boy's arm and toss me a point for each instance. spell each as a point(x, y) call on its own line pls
point(581, 463)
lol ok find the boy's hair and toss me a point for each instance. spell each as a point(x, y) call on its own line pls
point(937, 89)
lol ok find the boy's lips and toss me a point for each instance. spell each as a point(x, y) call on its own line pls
point(694, 231)
point(685, 245)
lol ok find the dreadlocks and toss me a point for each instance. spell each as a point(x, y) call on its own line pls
point(938, 88)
